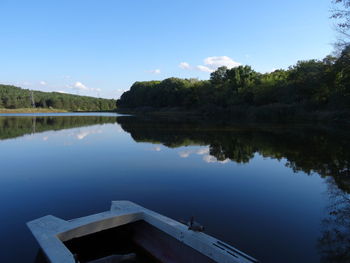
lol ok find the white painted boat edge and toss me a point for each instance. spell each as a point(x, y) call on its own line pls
point(51, 232)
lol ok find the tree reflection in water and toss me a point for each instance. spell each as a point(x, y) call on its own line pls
point(16, 126)
point(334, 244)
point(311, 149)
point(324, 150)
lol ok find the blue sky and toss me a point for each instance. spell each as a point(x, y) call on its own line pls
point(100, 48)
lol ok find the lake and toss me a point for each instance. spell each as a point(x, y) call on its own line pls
point(280, 193)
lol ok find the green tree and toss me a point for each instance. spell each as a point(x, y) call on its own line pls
point(342, 71)
point(341, 13)
point(308, 79)
point(14, 97)
point(218, 76)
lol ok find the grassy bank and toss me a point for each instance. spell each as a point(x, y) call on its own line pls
point(31, 110)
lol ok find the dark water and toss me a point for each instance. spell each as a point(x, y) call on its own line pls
point(279, 193)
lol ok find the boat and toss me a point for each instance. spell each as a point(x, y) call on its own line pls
point(129, 233)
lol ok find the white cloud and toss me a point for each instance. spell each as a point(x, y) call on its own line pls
point(154, 71)
point(119, 90)
point(26, 83)
point(153, 148)
point(212, 159)
point(43, 83)
point(203, 151)
point(82, 134)
point(157, 149)
point(80, 86)
point(184, 65)
point(215, 62)
point(211, 64)
point(209, 159)
point(204, 69)
point(185, 154)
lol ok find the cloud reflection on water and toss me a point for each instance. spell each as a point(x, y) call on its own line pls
point(202, 151)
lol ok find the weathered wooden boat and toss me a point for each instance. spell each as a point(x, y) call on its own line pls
point(128, 233)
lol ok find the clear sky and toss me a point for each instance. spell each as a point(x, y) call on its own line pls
point(100, 48)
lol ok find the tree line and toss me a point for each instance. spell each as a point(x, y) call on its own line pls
point(12, 97)
point(312, 85)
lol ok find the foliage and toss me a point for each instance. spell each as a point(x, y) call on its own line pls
point(342, 75)
point(341, 13)
point(12, 97)
point(316, 85)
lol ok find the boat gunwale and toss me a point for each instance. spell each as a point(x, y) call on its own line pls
point(51, 232)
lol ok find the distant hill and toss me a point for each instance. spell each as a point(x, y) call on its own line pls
point(12, 97)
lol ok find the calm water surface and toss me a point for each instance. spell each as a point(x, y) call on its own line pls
point(278, 193)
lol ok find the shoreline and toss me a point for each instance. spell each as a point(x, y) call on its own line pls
point(32, 110)
point(46, 110)
point(247, 114)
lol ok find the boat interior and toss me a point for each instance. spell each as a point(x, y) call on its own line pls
point(133, 242)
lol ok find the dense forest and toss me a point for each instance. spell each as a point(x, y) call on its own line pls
point(12, 97)
point(308, 86)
